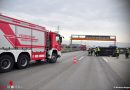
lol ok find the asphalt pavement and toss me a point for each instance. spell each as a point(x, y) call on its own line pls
point(89, 73)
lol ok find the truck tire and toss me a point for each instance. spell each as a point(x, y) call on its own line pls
point(53, 59)
point(23, 61)
point(6, 63)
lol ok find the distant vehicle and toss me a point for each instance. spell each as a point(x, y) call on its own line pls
point(107, 51)
point(21, 42)
point(83, 47)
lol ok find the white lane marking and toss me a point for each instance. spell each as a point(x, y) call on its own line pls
point(105, 59)
point(81, 58)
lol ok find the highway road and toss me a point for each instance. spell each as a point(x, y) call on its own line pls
point(90, 73)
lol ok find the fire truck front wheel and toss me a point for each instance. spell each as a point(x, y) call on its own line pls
point(53, 59)
point(6, 63)
point(23, 61)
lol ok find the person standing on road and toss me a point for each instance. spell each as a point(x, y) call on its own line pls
point(91, 51)
point(98, 51)
point(94, 51)
point(127, 52)
point(117, 52)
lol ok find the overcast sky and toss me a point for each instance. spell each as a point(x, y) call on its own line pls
point(92, 17)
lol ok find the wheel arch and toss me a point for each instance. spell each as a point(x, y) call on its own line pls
point(55, 51)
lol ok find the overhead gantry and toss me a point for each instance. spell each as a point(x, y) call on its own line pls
point(93, 38)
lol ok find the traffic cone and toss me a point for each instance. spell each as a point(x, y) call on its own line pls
point(75, 60)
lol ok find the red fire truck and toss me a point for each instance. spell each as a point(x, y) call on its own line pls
point(21, 42)
point(83, 47)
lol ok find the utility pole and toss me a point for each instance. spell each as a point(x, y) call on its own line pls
point(58, 29)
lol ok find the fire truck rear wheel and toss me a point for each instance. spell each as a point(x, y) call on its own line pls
point(6, 63)
point(23, 61)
